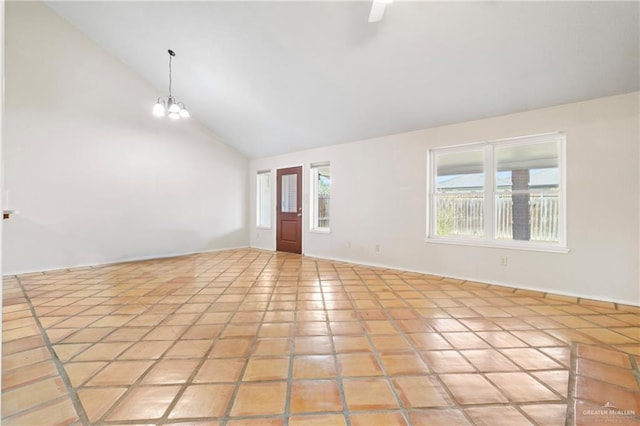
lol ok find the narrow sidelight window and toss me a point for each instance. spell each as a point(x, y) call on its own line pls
point(320, 196)
point(263, 193)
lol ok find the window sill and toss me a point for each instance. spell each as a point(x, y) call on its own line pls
point(501, 245)
point(263, 227)
point(320, 230)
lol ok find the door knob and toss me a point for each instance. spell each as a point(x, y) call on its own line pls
point(299, 214)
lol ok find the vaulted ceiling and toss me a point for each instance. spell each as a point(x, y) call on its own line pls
point(275, 77)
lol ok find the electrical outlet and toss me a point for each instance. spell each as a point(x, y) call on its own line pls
point(377, 248)
point(503, 260)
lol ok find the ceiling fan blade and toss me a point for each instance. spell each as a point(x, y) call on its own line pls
point(377, 10)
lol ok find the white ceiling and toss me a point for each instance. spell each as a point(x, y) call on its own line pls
point(275, 77)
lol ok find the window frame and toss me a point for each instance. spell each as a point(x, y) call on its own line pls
point(490, 168)
point(313, 204)
point(259, 200)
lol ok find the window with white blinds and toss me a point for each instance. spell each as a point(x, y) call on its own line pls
point(263, 202)
point(289, 202)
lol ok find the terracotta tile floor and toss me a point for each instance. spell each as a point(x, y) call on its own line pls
point(598, 375)
point(248, 337)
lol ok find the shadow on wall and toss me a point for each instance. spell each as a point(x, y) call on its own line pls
point(233, 239)
point(37, 247)
point(25, 252)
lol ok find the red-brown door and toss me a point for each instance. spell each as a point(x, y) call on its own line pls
point(289, 205)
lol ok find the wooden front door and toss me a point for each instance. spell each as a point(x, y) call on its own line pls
point(289, 205)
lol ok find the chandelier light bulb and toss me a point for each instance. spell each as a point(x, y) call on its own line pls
point(158, 109)
point(174, 108)
point(184, 113)
point(174, 116)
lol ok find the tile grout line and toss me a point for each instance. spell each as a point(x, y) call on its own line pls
point(405, 411)
point(102, 340)
point(224, 419)
point(376, 353)
point(131, 387)
point(291, 339)
point(432, 372)
point(511, 403)
point(571, 398)
point(521, 369)
point(438, 379)
point(189, 381)
point(635, 369)
point(236, 385)
point(73, 396)
point(336, 364)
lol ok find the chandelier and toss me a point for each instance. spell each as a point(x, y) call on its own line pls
point(176, 109)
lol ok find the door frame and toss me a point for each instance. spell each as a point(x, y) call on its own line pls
point(276, 206)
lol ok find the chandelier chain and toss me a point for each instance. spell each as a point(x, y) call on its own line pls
point(170, 76)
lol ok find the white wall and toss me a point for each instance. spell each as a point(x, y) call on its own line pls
point(1, 153)
point(95, 176)
point(379, 187)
